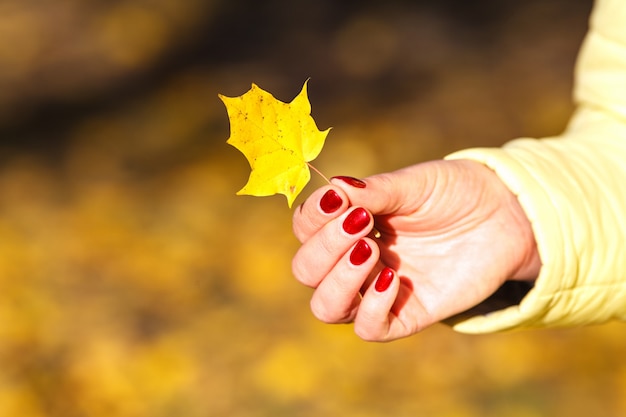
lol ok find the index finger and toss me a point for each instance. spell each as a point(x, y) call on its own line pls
point(324, 204)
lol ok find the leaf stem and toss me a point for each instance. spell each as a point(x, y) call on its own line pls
point(318, 171)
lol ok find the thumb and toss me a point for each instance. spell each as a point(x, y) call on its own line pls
point(398, 192)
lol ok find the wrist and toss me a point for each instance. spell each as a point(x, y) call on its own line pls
point(525, 247)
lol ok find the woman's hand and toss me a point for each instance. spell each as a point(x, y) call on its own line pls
point(434, 239)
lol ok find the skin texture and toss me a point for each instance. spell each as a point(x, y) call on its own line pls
point(450, 231)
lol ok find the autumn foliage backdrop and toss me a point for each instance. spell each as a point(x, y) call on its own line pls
point(133, 282)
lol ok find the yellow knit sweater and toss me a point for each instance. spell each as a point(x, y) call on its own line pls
point(573, 189)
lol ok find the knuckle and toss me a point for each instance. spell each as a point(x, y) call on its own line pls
point(386, 180)
point(328, 245)
point(332, 312)
point(367, 334)
point(370, 325)
point(320, 311)
point(300, 273)
point(298, 224)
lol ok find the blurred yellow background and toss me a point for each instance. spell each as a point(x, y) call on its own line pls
point(135, 283)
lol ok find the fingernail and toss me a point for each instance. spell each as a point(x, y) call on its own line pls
point(355, 182)
point(330, 202)
point(360, 253)
point(384, 279)
point(356, 221)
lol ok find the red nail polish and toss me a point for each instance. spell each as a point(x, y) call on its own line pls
point(385, 278)
point(330, 202)
point(356, 221)
point(355, 182)
point(360, 253)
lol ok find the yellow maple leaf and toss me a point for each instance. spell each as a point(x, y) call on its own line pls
point(278, 139)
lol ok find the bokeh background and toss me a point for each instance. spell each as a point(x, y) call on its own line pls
point(133, 282)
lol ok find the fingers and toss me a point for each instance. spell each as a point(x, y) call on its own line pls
point(397, 192)
point(336, 299)
point(377, 316)
point(323, 250)
point(373, 321)
point(323, 205)
point(390, 310)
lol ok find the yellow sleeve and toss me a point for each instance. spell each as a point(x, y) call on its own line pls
point(573, 190)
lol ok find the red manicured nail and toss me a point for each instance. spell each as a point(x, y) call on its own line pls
point(356, 221)
point(330, 202)
point(355, 182)
point(385, 278)
point(360, 253)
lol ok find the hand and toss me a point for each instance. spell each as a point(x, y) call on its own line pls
point(448, 235)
